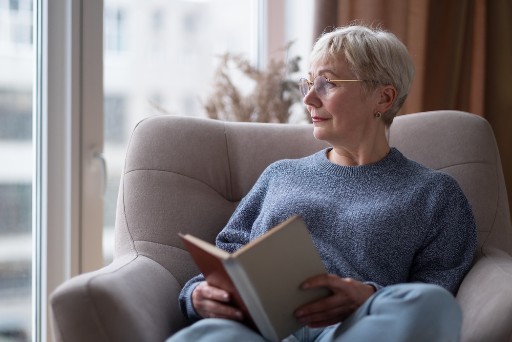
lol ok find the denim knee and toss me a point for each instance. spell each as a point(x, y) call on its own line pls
point(428, 298)
point(425, 306)
point(216, 329)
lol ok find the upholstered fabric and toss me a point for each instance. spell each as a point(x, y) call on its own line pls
point(187, 175)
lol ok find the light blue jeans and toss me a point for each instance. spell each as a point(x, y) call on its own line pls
point(406, 312)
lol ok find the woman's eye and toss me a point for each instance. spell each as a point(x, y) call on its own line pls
point(329, 85)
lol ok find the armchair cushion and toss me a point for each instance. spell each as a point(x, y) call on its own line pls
point(485, 296)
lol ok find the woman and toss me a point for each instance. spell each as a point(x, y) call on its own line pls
point(396, 238)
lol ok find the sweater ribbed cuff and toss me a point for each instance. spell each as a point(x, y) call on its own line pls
point(375, 285)
point(186, 305)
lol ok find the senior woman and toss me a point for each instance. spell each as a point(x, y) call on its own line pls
point(396, 237)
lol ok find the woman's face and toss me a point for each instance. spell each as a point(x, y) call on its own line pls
point(344, 113)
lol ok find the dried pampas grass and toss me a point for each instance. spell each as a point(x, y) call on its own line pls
point(241, 92)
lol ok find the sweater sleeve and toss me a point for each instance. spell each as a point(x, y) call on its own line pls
point(449, 248)
point(235, 234)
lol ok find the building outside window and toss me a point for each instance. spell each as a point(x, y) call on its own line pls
point(16, 169)
point(16, 23)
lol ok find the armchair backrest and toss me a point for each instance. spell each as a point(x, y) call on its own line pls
point(462, 145)
point(187, 174)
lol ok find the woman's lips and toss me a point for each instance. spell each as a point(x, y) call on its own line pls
point(318, 119)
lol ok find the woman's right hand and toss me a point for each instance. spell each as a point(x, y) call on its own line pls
point(212, 302)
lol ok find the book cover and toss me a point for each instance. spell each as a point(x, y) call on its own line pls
point(264, 276)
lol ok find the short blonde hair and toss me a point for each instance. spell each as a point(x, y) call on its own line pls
point(374, 55)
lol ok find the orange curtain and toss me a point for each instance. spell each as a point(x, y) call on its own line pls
point(462, 51)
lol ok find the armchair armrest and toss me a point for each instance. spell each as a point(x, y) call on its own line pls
point(132, 299)
point(486, 298)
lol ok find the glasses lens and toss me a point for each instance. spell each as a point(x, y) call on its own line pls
point(320, 85)
point(303, 86)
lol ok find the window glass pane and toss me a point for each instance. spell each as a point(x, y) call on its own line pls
point(16, 86)
point(159, 58)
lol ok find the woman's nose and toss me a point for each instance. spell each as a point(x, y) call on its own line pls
point(312, 98)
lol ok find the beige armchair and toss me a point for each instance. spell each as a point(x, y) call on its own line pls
point(188, 175)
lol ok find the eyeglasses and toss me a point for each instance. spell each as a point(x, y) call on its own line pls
point(321, 83)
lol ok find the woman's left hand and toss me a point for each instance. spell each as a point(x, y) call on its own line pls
point(347, 295)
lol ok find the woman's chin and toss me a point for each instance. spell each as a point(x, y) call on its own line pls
point(319, 133)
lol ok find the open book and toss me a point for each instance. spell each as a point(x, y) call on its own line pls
point(264, 276)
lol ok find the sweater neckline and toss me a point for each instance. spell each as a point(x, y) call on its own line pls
point(381, 166)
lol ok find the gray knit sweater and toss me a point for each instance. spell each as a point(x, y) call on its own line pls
point(390, 222)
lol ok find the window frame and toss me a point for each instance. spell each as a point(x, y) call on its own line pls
point(68, 142)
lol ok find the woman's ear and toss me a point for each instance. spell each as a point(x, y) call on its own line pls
point(387, 98)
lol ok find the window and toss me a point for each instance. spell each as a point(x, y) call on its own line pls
point(16, 172)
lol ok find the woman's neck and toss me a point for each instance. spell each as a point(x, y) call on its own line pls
point(358, 156)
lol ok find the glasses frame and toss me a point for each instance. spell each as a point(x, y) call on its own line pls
point(311, 84)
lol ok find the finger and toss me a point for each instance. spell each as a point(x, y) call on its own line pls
point(213, 293)
point(325, 318)
point(214, 309)
point(330, 281)
point(327, 304)
point(350, 290)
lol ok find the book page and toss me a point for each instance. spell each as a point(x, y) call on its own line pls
point(275, 266)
